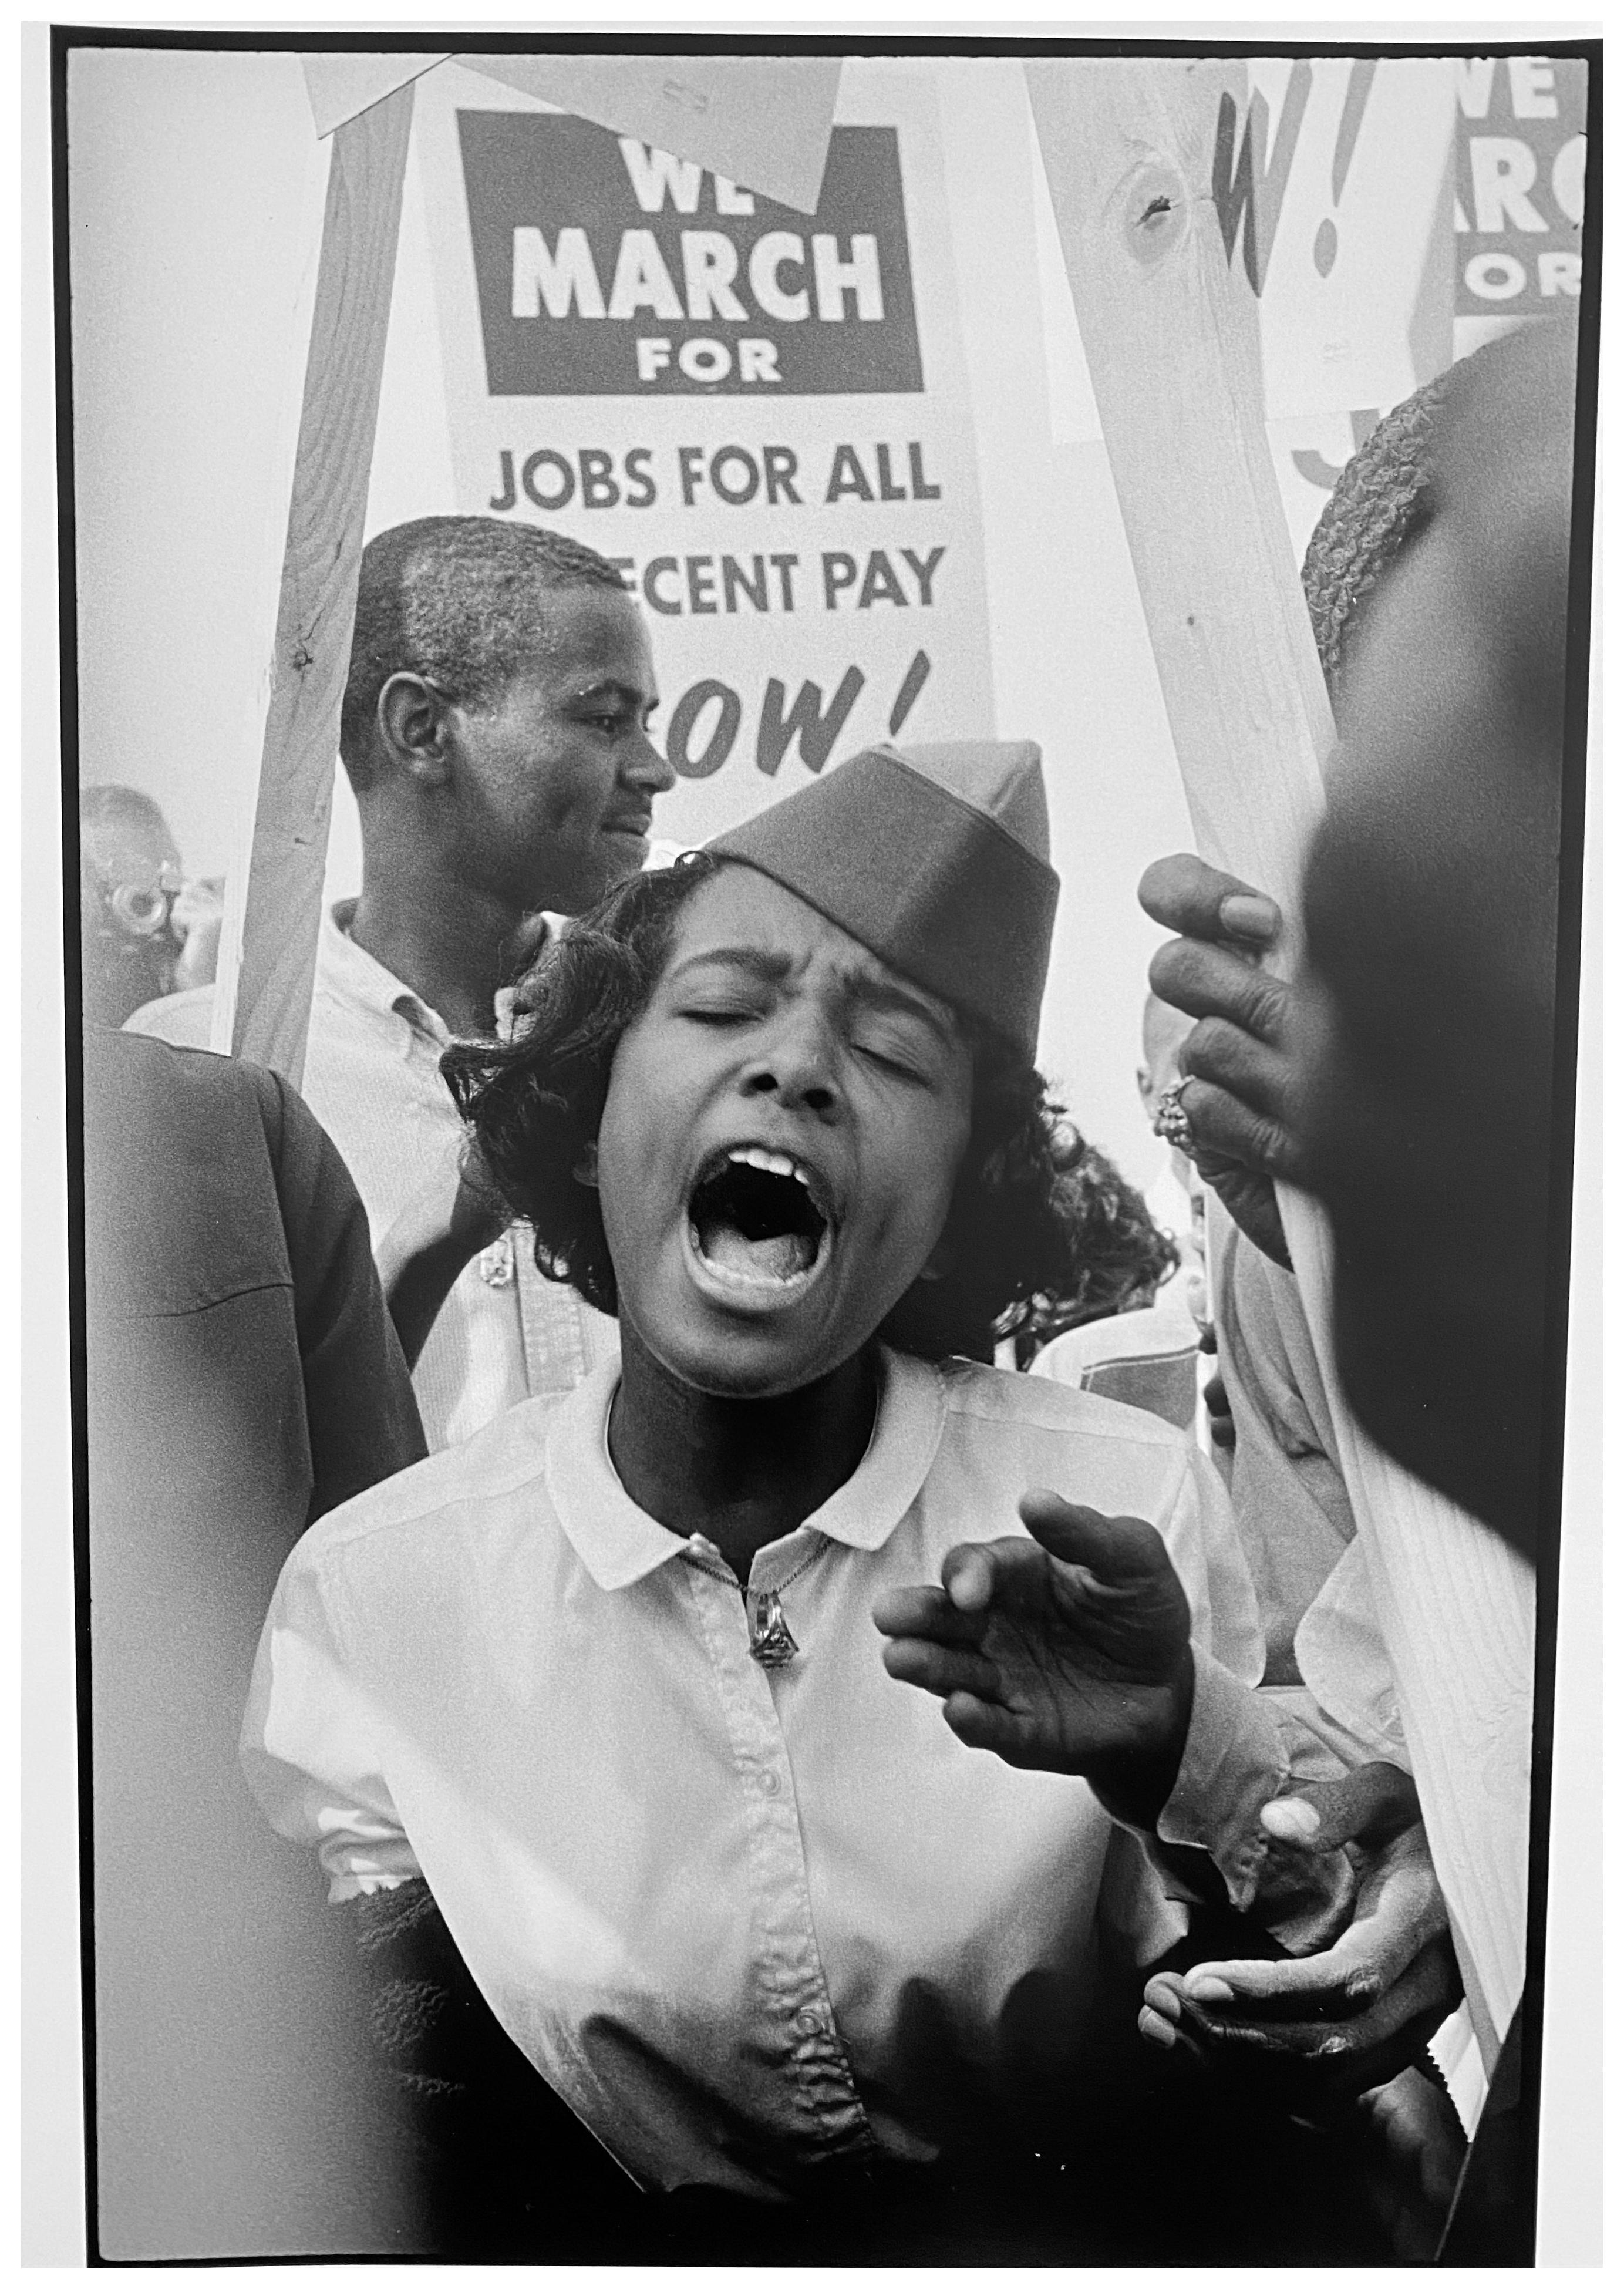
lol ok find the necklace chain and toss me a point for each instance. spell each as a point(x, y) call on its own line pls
point(805, 1567)
point(722, 1572)
point(772, 1641)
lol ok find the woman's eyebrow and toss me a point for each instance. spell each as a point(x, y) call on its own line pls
point(770, 968)
point(879, 994)
point(870, 992)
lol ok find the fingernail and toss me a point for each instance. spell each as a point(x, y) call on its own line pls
point(1209, 1991)
point(1245, 915)
point(1291, 1820)
point(1155, 2029)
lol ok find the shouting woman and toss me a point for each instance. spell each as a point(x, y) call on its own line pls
point(606, 1679)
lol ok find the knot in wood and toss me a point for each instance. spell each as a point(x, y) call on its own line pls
point(1154, 211)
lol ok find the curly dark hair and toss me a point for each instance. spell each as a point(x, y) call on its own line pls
point(1124, 1254)
point(534, 1106)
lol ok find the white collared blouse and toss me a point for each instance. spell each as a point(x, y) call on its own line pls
point(742, 1919)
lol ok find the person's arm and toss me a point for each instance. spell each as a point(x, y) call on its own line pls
point(497, 2160)
point(310, 1749)
point(194, 920)
point(1072, 1652)
point(1068, 1652)
point(504, 2169)
point(1116, 1650)
point(363, 1418)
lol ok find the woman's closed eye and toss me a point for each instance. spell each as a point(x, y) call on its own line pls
point(895, 1054)
point(720, 1009)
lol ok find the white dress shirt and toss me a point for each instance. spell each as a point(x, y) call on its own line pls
point(372, 1080)
point(741, 1918)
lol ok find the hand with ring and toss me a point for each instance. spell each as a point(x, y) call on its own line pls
point(1231, 1111)
point(1172, 1123)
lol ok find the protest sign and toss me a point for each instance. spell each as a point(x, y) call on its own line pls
point(759, 414)
point(1331, 178)
point(1330, 182)
point(1519, 187)
point(763, 121)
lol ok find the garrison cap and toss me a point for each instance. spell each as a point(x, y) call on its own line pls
point(936, 859)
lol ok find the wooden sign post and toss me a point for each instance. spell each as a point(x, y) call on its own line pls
point(1172, 339)
point(267, 964)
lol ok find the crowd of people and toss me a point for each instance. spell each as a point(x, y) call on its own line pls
point(815, 1643)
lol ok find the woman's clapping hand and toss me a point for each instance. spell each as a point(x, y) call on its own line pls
point(1066, 1653)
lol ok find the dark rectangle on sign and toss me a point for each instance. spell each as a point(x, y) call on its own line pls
point(605, 270)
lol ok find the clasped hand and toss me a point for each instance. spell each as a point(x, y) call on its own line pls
point(1066, 1653)
point(1326, 2026)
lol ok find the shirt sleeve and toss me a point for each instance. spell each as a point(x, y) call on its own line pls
point(362, 1417)
point(311, 1747)
point(1246, 1744)
point(1199, 1529)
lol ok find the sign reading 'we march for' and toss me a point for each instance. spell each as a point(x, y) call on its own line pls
point(675, 279)
point(794, 501)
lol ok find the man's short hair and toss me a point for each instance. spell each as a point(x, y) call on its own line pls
point(1381, 502)
point(452, 599)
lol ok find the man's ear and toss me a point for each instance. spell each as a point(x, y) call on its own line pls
point(413, 726)
point(585, 1169)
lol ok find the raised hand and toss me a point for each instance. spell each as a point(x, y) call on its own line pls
point(195, 921)
point(1326, 2026)
point(1237, 1097)
point(1067, 1653)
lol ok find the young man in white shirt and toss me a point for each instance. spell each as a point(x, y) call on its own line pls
point(496, 731)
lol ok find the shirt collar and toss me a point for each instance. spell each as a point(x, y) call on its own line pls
point(357, 976)
point(618, 1543)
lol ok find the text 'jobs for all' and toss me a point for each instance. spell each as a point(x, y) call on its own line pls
point(597, 478)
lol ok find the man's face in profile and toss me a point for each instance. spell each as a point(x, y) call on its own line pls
point(557, 773)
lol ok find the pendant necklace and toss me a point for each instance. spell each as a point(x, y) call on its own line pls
point(772, 1643)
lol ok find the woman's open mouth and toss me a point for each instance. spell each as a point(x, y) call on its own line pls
point(754, 1223)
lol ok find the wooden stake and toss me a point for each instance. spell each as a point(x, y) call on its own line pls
point(266, 992)
point(1172, 339)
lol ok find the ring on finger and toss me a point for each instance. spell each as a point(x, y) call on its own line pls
point(1172, 1121)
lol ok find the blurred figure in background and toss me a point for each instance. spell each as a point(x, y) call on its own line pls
point(1427, 1034)
point(242, 1378)
point(145, 928)
point(1429, 1028)
point(1127, 1258)
point(1141, 1342)
point(1409, 1076)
